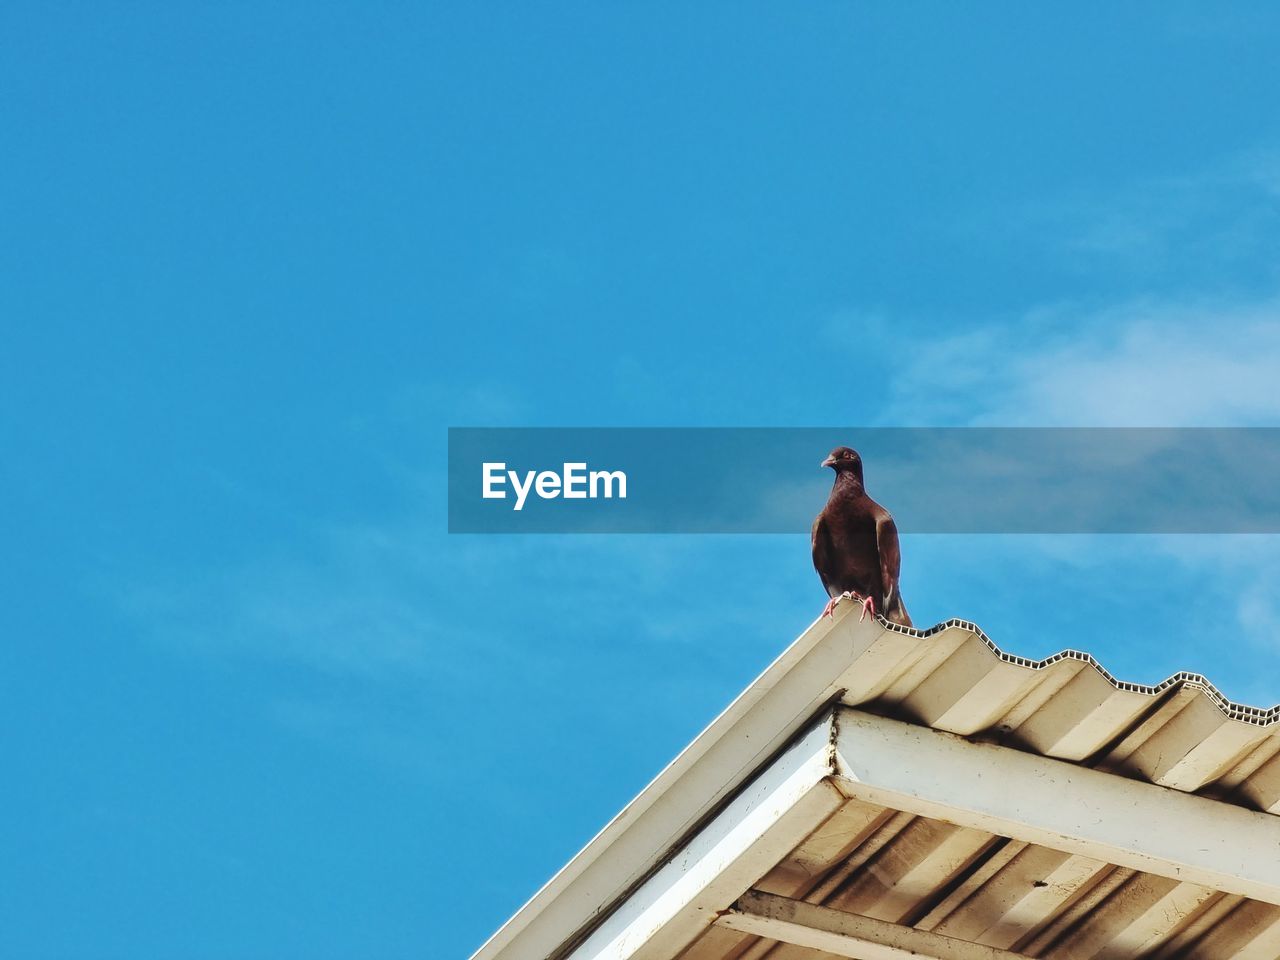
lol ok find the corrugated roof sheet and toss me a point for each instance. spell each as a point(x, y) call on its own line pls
point(1233, 709)
point(1182, 733)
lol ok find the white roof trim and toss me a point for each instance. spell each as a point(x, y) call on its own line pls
point(750, 730)
point(762, 825)
point(1052, 803)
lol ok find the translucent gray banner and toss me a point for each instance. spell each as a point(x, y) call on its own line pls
point(933, 480)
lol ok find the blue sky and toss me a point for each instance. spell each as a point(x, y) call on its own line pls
point(257, 258)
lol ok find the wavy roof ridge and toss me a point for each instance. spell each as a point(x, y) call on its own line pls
point(1243, 712)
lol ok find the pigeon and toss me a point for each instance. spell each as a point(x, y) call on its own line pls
point(855, 545)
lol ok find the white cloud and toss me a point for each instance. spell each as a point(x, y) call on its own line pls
point(1141, 364)
point(1183, 232)
point(402, 600)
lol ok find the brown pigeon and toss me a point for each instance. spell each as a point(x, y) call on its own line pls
point(855, 544)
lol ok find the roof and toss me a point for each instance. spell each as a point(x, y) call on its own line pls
point(1153, 832)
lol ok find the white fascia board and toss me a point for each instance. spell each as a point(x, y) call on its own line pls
point(843, 934)
point(1058, 804)
point(772, 816)
point(768, 714)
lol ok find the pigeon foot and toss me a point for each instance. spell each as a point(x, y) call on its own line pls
point(867, 604)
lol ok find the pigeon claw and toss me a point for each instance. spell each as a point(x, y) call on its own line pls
point(868, 606)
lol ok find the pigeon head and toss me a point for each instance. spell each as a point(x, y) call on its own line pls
point(844, 460)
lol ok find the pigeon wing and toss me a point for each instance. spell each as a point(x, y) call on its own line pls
point(820, 540)
point(890, 565)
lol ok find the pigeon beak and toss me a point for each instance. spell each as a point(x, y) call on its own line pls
point(829, 462)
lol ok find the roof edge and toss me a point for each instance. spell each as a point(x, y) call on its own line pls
point(1246, 713)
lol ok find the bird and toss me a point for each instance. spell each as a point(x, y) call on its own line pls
point(855, 545)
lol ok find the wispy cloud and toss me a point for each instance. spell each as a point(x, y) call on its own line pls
point(350, 600)
point(1144, 363)
point(1218, 219)
point(365, 615)
point(1209, 229)
point(403, 601)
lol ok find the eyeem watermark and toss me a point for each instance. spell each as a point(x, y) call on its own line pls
point(934, 479)
point(574, 482)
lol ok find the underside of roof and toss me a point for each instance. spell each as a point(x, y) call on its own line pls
point(972, 887)
point(878, 859)
point(979, 888)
